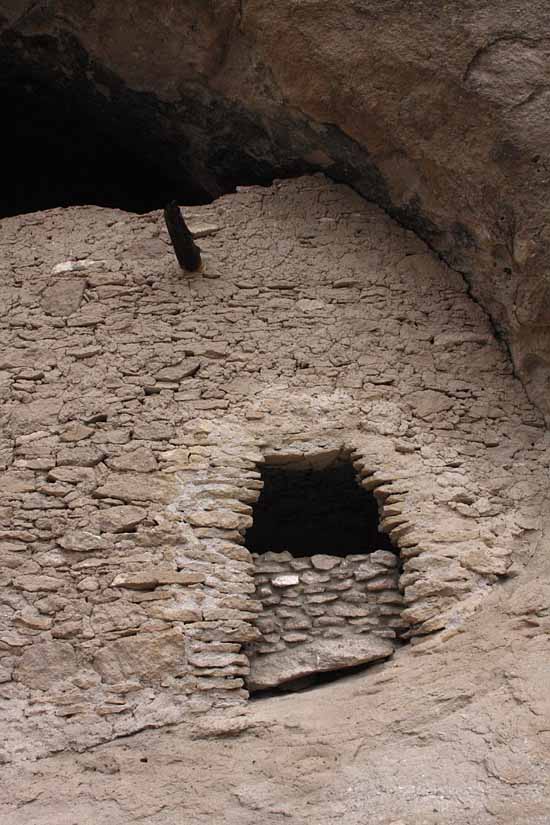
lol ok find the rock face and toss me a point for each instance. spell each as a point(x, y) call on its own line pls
point(440, 118)
point(319, 656)
point(127, 598)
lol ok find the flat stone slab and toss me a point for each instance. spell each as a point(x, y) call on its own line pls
point(318, 656)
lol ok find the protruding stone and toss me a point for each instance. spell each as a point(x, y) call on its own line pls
point(288, 580)
point(83, 541)
point(149, 579)
point(184, 369)
point(132, 487)
point(317, 656)
point(324, 562)
point(122, 519)
point(63, 297)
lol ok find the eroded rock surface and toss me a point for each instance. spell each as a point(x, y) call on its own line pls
point(438, 116)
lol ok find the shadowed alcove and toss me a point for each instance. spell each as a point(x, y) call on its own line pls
point(326, 577)
point(315, 506)
point(67, 148)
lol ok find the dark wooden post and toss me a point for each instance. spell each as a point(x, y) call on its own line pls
point(187, 251)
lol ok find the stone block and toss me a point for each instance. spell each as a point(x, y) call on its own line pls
point(131, 487)
point(216, 660)
point(83, 541)
point(120, 519)
point(316, 656)
point(63, 297)
point(184, 369)
point(288, 580)
point(141, 460)
point(367, 571)
point(313, 577)
point(381, 583)
point(44, 664)
point(224, 519)
point(325, 562)
point(321, 598)
point(149, 579)
point(350, 610)
point(149, 656)
point(35, 584)
point(383, 557)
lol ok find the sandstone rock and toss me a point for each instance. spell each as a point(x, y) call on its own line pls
point(182, 370)
point(12, 483)
point(214, 727)
point(485, 560)
point(88, 584)
point(350, 610)
point(35, 414)
point(381, 583)
point(285, 581)
point(383, 557)
point(86, 456)
point(324, 562)
point(29, 618)
point(315, 657)
point(122, 519)
point(207, 659)
point(148, 657)
point(45, 664)
point(153, 431)
point(83, 541)
point(366, 571)
point(224, 519)
point(141, 460)
point(72, 475)
point(136, 487)
point(63, 297)
point(176, 612)
point(35, 584)
point(429, 402)
point(149, 579)
point(76, 432)
point(203, 230)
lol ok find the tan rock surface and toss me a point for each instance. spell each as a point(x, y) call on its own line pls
point(316, 657)
point(451, 731)
point(440, 117)
point(454, 727)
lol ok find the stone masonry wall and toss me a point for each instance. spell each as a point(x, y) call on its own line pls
point(136, 405)
point(319, 611)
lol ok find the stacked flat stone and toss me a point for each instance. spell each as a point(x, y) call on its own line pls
point(136, 406)
point(325, 596)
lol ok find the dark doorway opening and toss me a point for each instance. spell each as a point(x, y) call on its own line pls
point(307, 510)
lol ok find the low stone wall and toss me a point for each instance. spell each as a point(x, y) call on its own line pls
point(322, 613)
